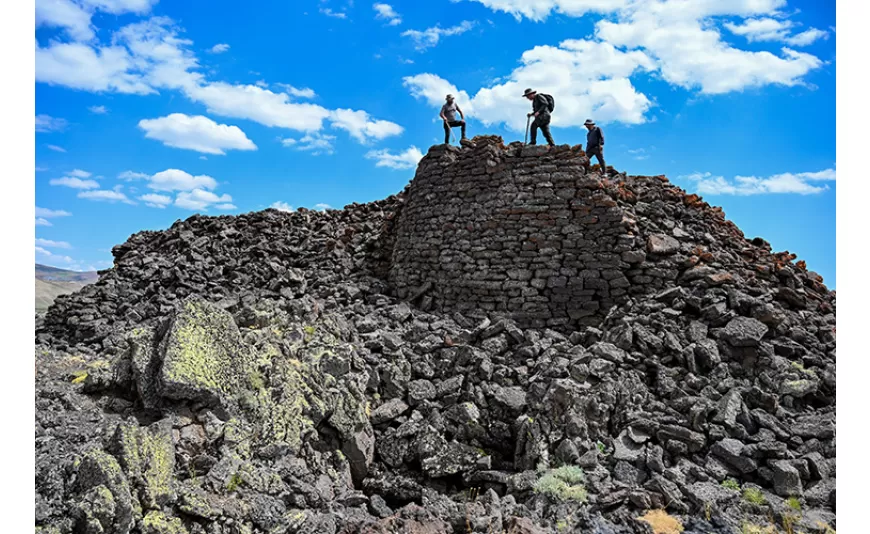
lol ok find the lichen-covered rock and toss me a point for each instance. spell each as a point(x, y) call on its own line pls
point(147, 456)
point(156, 522)
point(105, 503)
point(202, 354)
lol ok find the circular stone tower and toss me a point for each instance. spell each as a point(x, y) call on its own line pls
point(523, 231)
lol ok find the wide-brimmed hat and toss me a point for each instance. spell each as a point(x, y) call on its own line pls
point(589, 122)
point(449, 97)
point(529, 91)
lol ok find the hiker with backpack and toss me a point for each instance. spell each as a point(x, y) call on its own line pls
point(448, 115)
point(542, 106)
point(595, 144)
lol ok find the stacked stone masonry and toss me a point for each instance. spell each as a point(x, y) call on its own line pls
point(527, 231)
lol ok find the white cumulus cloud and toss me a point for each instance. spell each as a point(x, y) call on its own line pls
point(80, 66)
point(75, 183)
point(52, 244)
point(154, 200)
point(150, 56)
point(317, 144)
point(197, 133)
point(335, 14)
point(304, 92)
point(200, 199)
point(220, 48)
point(431, 36)
point(361, 126)
point(49, 213)
point(47, 123)
point(403, 160)
point(770, 29)
point(588, 79)
point(130, 176)
point(282, 206)
point(684, 41)
point(105, 196)
point(387, 13)
point(178, 180)
point(53, 257)
point(802, 183)
point(75, 16)
point(98, 110)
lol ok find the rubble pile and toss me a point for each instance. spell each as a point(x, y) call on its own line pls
point(513, 344)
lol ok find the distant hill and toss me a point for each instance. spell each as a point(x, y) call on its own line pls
point(53, 274)
point(52, 282)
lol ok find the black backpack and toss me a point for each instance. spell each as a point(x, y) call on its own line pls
point(551, 104)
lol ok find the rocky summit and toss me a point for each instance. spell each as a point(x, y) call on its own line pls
point(513, 344)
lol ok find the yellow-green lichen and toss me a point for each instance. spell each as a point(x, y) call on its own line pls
point(159, 465)
point(148, 457)
point(194, 355)
point(79, 377)
point(158, 523)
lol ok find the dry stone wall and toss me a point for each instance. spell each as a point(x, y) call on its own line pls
point(526, 231)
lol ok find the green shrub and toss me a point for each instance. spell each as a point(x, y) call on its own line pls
point(793, 503)
point(234, 482)
point(731, 484)
point(563, 484)
point(754, 496)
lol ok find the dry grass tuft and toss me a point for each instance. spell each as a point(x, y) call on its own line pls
point(661, 522)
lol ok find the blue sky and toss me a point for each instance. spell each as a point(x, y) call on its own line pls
point(150, 111)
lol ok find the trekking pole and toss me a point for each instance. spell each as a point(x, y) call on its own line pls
point(526, 138)
point(452, 135)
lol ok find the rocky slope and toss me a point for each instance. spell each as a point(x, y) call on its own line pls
point(258, 374)
point(51, 282)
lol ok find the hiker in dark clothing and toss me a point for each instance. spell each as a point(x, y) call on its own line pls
point(595, 144)
point(448, 115)
point(541, 112)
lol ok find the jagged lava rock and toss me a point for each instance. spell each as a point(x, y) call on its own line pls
point(507, 319)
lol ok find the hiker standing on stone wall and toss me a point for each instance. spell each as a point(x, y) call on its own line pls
point(595, 144)
point(542, 106)
point(448, 115)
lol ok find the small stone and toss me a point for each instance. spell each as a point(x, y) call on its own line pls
point(744, 332)
point(388, 411)
point(662, 244)
point(786, 479)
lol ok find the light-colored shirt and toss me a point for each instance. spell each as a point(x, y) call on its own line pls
point(449, 110)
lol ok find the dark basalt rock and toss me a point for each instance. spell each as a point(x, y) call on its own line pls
point(435, 361)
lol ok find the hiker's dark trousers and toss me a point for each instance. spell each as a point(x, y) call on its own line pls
point(598, 152)
point(542, 121)
point(452, 124)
